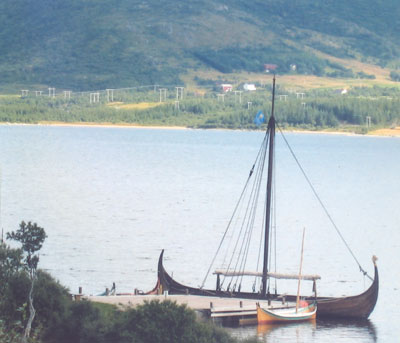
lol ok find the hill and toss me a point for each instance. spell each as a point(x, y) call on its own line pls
point(97, 44)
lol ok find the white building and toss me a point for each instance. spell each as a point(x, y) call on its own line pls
point(249, 87)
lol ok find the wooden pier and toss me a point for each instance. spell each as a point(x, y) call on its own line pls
point(231, 311)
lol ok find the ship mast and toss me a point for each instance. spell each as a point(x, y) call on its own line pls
point(271, 129)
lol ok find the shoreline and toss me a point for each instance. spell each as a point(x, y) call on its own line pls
point(92, 124)
point(388, 132)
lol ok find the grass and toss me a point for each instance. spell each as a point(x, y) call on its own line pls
point(134, 106)
point(7, 96)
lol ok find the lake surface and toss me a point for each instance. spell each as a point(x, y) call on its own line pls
point(110, 199)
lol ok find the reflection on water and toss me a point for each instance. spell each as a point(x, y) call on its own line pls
point(266, 329)
point(354, 329)
point(315, 331)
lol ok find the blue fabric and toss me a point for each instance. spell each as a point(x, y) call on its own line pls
point(259, 118)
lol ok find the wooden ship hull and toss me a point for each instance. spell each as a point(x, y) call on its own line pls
point(356, 307)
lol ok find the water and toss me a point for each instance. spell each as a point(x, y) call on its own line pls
point(111, 198)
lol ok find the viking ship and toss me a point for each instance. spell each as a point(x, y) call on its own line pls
point(357, 306)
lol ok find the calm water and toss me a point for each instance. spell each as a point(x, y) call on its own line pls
point(111, 198)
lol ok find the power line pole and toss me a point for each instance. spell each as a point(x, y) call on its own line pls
point(67, 95)
point(110, 95)
point(240, 96)
point(179, 93)
point(283, 96)
point(163, 94)
point(94, 97)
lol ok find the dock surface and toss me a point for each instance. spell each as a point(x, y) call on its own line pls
point(241, 310)
point(192, 301)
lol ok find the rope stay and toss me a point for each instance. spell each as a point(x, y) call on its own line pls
point(322, 204)
point(260, 152)
point(251, 221)
point(244, 217)
point(247, 221)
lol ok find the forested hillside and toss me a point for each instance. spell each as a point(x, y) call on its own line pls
point(95, 44)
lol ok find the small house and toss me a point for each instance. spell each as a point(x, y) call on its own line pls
point(226, 87)
point(249, 87)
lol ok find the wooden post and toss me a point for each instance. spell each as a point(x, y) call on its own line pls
point(218, 283)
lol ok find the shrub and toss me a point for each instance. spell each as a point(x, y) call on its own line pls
point(155, 322)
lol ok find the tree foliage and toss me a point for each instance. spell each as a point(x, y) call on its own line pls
point(318, 109)
point(154, 321)
point(395, 76)
point(31, 236)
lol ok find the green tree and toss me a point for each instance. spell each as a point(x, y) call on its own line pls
point(10, 267)
point(31, 238)
point(10, 263)
point(395, 76)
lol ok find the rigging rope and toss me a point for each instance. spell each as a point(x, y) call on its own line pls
point(248, 215)
point(261, 240)
point(257, 187)
point(234, 212)
point(322, 204)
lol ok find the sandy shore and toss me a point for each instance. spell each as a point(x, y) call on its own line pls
point(388, 132)
point(92, 124)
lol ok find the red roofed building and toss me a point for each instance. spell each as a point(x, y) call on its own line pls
point(226, 87)
point(269, 67)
